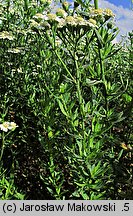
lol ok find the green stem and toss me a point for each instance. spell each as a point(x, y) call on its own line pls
point(103, 79)
point(2, 146)
point(65, 66)
point(81, 105)
point(96, 4)
point(59, 57)
point(101, 65)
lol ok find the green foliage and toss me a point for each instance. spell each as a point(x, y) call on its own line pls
point(68, 88)
point(7, 188)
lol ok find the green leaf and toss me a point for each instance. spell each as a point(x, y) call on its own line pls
point(84, 195)
point(107, 51)
point(50, 134)
point(92, 82)
point(80, 184)
point(62, 108)
point(127, 98)
point(120, 154)
point(19, 196)
point(80, 146)
point(99, 38)
point(114, 52)
point(75, 194)
point(97, 196)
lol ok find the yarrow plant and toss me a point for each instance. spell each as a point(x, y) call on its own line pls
point(6, 127)
point(68, 87)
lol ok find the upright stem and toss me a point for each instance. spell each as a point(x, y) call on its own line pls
point(26, 5)
point(96, 4)
point(2, 146)
point(103, 79)
point(81, 105)
point(59, 57)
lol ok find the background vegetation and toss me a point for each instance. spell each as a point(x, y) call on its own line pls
point(65, 103)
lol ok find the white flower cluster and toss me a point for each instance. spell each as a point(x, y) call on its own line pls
point(8, 126)
point(96, 13)
point(6, 35)
point(62, 19)
point(69, 20)
point(79, 21)
point(14, 50)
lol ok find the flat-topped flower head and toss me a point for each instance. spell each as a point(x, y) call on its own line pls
point(108, 12)
point(38, 17)
point(14, 50)
point(98, 11)
point(70, 20)
point(45, 24)
point(51, 17)
point(61, 23)
point(33, 23)
point(80, 20)
point(6, 35)
point(92, 21)
point(61, 13)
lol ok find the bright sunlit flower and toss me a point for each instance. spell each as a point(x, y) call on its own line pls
point(94, 13)
point(98, 11)
point(14, 50)
point(70, 20)
point(52, 17)
point(92, 21)
point(8, 126)
point(12, 125)
point(19, 70)
point(6, 35)
point(62, 23)
point(38, 17)
point(33, 23)
point(109, 12)
point(4, 126)
point(45, 24)
point(80, 20)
